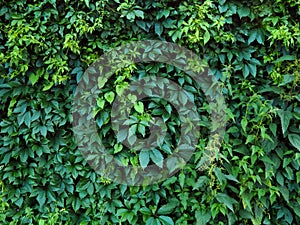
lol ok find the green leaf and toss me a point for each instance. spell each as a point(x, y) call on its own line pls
point(139, 107)
point(219, 175)
point(243, 12)
point(144, 158)
point(157, 157)
point(201, 181)
point(33, 78)
point(202, 217)
point(244, 124)
point(41, 198)
point(228, 201)
point(206, 37)
point(19, 202)
point(181, 179)
point(87, 2)
point(285, 117)
point(11, 105)
point(48, 86)
point(145, 211)
point(285, 58)
point(90, 189)
point(100, 103)
point(166, 220)
point(121, 135)
point(231, 177)
point(287, 78)
point(139, 13)
point(6, 158)
point(150, 221)
point(285, 193)
point(252, 36)
point(158, 29)
point(142, 129)
point(27, 119)
point(167, 209)
point(118, 148)
point(295, 140)
point(109, 96)
point(101, 82)
point(252, 69)
point(246, 71)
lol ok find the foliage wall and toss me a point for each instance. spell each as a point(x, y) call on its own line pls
point(253, 49)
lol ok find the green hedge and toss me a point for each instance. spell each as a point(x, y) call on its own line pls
point(253, 49)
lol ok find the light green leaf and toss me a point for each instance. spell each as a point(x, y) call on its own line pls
point(87, 2)
point(139, 107)
point(206, 37)
point(100, 103)
point(101, 82)
point(109, 96)
point(118, 148)
point(48, 86)
point(11, 105)
point(33, 78)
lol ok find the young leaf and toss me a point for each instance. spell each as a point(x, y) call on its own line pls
point(139, 107)
point(109, 96)
point(118, 148)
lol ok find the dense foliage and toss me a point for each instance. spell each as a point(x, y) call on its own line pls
point(253, 49)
